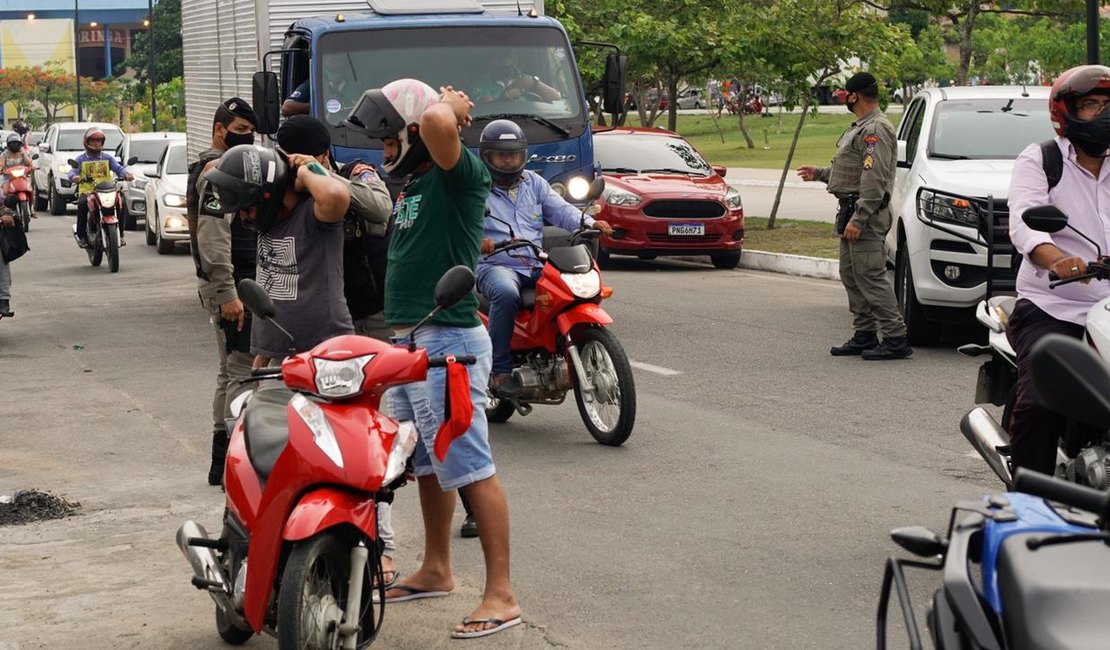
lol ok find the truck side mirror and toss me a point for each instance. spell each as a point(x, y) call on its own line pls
point(264, 96)
point(612, 83)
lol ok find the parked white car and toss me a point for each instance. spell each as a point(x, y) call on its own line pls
point(956, 148)
point(61, 142)
point(166, 223)
point(692, 98)
point(141, 152)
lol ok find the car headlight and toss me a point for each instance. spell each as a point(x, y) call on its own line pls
point(63, 169)
point(620, 197)
point(732, 199)
point(583, 285)
point(340, 378)
point(403, 445)
point(174, 200)
point(139, 183)
point(578, 187)
point(322, 433)
point(174, 222)
point(944, 207)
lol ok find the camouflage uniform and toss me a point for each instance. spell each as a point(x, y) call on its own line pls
point(863, 170)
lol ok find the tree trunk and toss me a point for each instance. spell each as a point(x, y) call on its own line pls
point(789, 159)
point(744, 128)
point(672, 103)
point(965, 31)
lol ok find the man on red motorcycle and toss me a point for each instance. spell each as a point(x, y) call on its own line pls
point(99, 166)
point(519, 203)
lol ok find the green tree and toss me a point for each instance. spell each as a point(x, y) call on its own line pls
point(168, 62)
point(171, 107)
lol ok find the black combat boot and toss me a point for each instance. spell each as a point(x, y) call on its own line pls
point(892, 347)
point(219, 453)
point(854, 346)
point(6, 309)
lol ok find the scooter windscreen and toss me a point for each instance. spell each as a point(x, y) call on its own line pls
point(571, 259)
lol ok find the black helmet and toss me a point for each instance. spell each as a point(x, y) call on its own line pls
point(14, 143)
point(503, 135)
point(246, 176)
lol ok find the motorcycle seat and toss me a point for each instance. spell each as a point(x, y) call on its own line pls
point(1056, 596)
point(266, 428)
point(527, 300)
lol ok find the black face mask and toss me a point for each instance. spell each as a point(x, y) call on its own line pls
point(236, 139)
point(1093, 135)
point(15, 147)
point(851, 106)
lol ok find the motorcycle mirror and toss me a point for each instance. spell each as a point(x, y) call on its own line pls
point(132, 160)
point(455, 284)
point(1071, 379)
point(73, 163)
point(919, 540)
point(1045, 218)
point(597, 187)
point(255, 298)
point(489, 215)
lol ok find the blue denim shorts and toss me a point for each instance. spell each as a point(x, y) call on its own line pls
point(469, 458)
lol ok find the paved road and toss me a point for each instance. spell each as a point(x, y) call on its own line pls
point(750, 508)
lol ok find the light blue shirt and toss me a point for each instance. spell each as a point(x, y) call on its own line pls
point(535, 203)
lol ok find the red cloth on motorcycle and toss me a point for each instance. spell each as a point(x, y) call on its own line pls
point(458, 410)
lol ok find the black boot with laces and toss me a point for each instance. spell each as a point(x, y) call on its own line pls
point(857, 344)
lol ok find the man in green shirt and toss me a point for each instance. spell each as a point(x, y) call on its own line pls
point(438, 224)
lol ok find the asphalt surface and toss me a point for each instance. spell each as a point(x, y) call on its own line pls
point(750, 508)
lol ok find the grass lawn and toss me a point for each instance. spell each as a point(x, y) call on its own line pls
point(793, 236)
point(816, 145)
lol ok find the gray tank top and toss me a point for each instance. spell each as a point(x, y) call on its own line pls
point(300, 264)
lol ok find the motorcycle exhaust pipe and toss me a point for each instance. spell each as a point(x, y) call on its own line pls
point(987, 436)
point(199, 549)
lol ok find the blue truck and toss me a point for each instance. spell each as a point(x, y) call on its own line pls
point(266, 49)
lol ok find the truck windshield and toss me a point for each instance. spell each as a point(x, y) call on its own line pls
point(497, 66)
point(995, 129)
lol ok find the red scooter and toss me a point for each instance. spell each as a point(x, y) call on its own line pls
point(561, 342)
point(20, 186)
point(306, 466)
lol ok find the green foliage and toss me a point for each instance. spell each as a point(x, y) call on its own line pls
point(168, 62)
point(171, 107)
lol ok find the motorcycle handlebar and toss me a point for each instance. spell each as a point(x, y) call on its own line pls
point(1054, 489)
point(1097, 270)
point(441, 362)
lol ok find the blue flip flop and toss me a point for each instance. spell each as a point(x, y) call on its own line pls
point(499, 625)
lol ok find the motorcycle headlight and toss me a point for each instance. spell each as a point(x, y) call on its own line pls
point(17, 173)
point(620, 197)
point(583, 285)
point(403, 445)
point(341, 378)
point(732, 199)
point(174, 200)
point(107, 199)
point(947, 208)
point(322, 433)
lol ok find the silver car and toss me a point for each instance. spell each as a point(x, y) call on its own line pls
point(165, 199)
point(141, 153)
point(61, 142)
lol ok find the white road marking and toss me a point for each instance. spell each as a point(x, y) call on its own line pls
point(659, 370)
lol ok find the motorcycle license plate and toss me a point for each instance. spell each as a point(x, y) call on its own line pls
point(685, 229)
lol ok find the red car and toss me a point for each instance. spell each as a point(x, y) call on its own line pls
point(662, 198)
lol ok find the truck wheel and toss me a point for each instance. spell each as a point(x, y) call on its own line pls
point(57, 201)
point(919, 329)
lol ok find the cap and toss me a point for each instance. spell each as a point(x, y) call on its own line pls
point(303, 134)
point(860, 81)
point(240, 108)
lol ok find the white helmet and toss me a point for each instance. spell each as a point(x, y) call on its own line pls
point(393, 111)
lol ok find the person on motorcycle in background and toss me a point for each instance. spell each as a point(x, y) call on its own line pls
point(1078, 109)
point(15, 155)
point(519, 203)
point(98, 166)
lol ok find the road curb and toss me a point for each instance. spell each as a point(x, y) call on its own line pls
point(803, 265)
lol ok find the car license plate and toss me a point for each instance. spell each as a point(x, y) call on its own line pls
point(682, 229)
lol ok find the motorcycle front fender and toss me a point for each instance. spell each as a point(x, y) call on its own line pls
point(325, 508)
point(109, 219)
point(582, 314)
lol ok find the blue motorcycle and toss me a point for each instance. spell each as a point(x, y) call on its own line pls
point(1028, 569)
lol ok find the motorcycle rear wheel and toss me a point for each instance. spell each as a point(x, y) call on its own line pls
point(112, 232)
point(499, 410)
point(610, 413)
point(313, 595)
point(229, 632)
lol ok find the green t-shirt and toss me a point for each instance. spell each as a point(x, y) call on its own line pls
point(438, 224)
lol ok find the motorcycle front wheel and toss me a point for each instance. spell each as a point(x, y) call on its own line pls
point(96, 246)
point(609, 413)
point(112, 233)
point(313, 596)
point(25, 215)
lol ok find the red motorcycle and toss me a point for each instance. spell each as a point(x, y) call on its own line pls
point(306, 466)
point(102, 233)
point(561, 342)
point(20, 186)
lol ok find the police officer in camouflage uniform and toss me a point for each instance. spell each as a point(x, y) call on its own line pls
point(861, 177)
